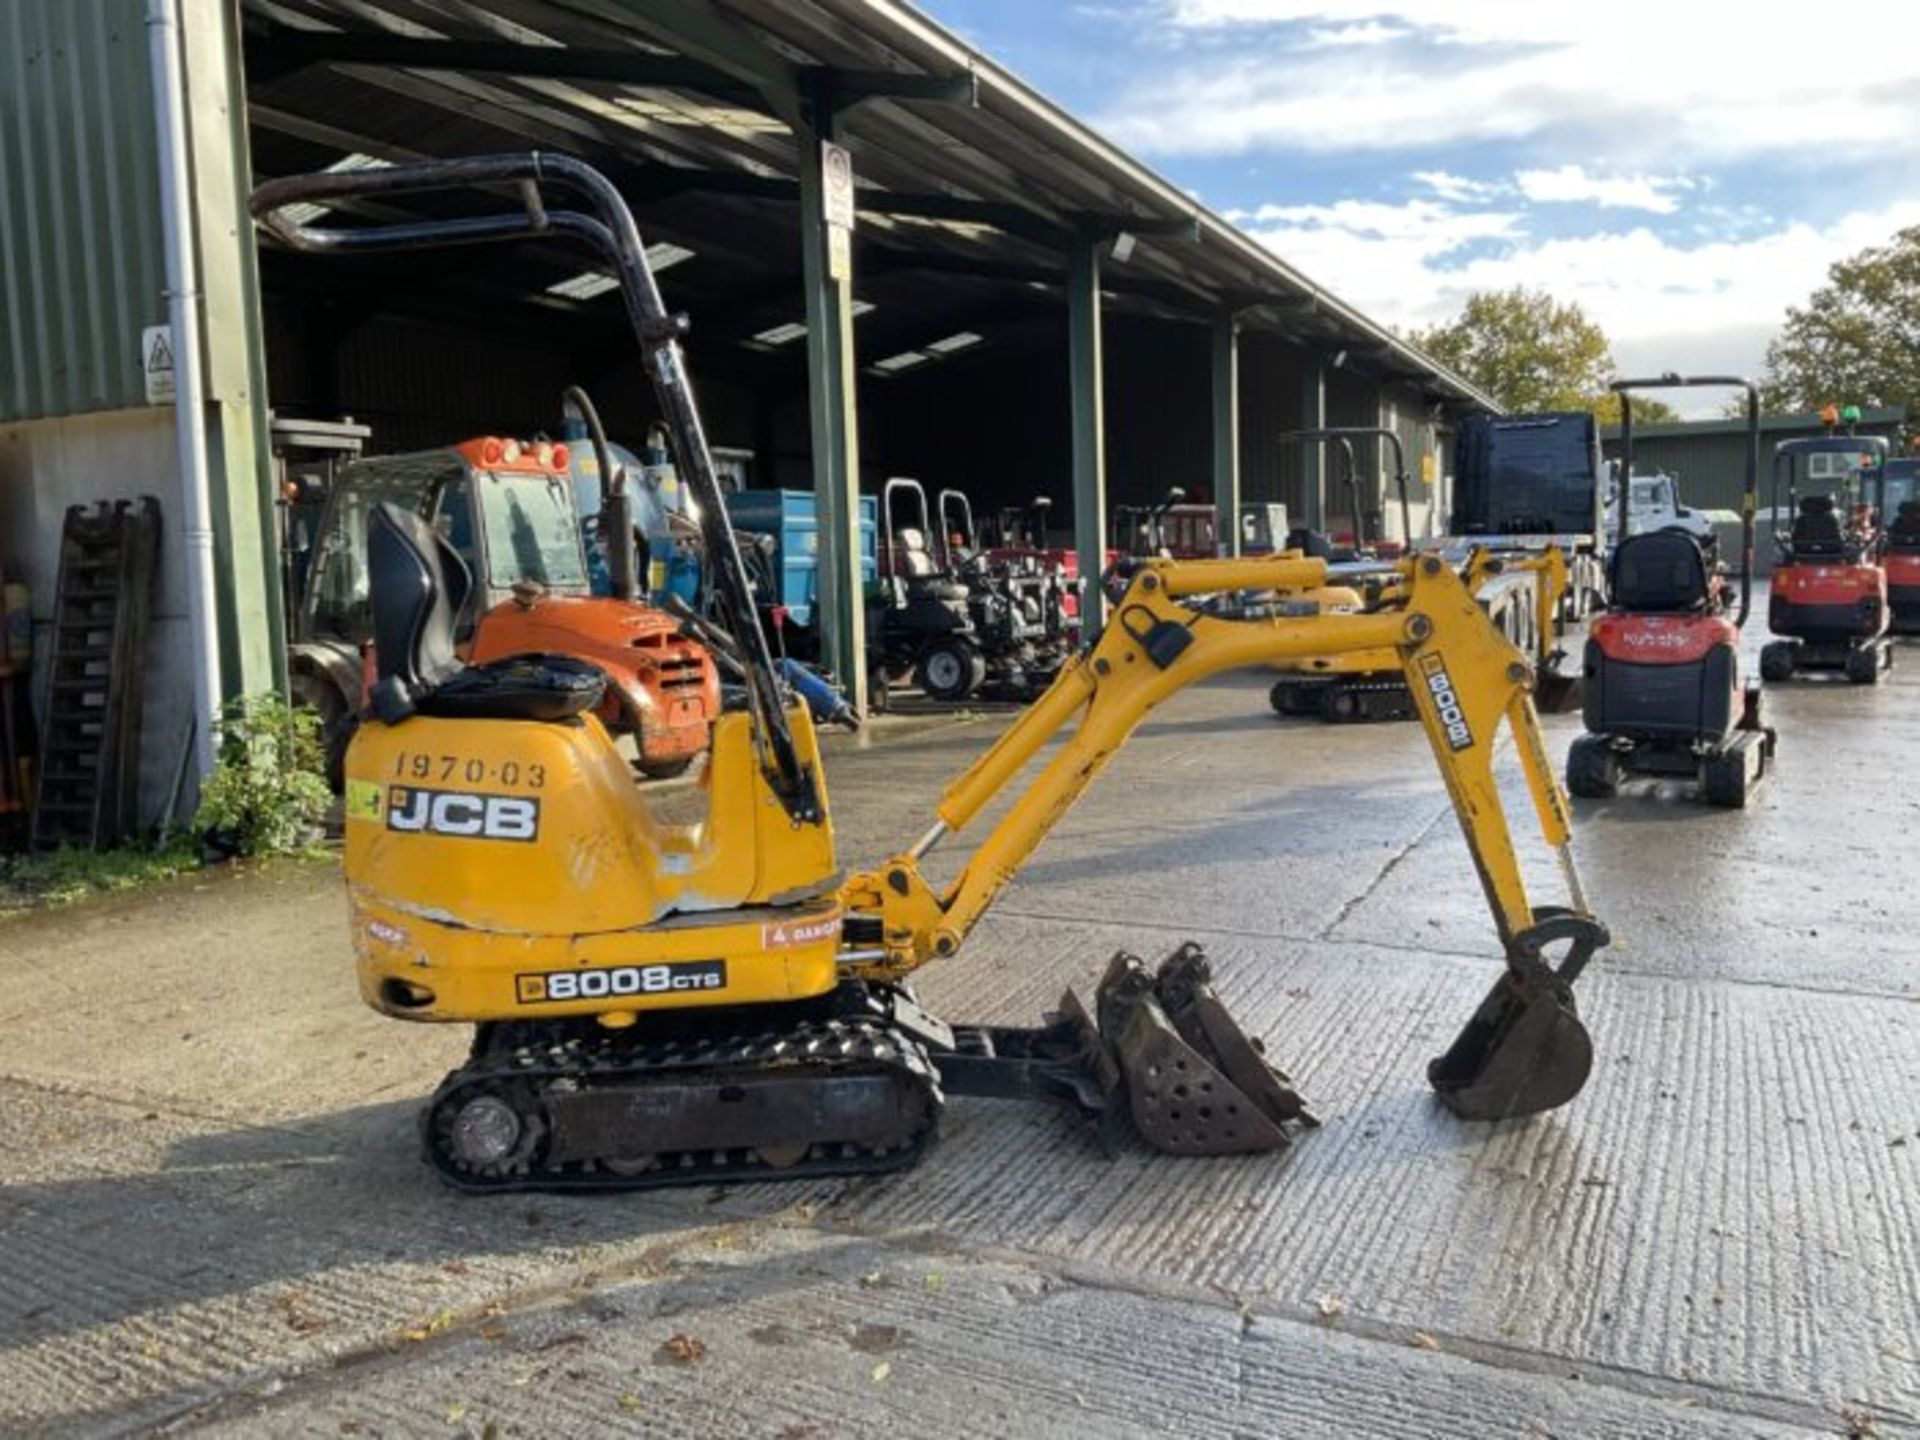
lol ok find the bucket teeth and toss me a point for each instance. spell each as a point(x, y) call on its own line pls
point(1196, 1083)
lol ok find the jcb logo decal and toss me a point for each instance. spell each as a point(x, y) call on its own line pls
point(1446, 703)
point(462, 814)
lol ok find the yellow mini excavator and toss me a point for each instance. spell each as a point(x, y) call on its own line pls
point(1522, 590)
point(662, 1004)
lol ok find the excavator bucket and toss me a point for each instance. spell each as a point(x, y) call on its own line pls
point(1525, 1050)
point(1195, 1082)
point(1556, 689)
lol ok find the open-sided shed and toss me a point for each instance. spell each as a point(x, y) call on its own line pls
point(1019, 307)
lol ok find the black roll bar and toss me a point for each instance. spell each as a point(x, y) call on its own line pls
point(608, 230)
point(1749, 501)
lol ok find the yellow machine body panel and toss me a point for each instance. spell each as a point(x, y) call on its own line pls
point(512, 869)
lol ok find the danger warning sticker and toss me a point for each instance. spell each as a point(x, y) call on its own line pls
point(786, 934)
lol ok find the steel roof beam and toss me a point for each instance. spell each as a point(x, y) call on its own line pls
point(275, 51)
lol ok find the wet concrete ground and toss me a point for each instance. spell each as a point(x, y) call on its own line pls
point(212, 1217)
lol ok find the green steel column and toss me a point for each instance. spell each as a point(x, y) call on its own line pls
point(1226, 428)
point(1313, 416)
point(253, 644)
point(1084, 379)
point(834, 419)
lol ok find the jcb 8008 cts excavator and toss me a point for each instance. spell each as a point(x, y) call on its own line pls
point(668, 1004)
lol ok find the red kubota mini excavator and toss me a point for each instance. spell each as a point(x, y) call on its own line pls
point(1829, 595)
point(1900, 502)
point(663, 1003)
point(1663, 692)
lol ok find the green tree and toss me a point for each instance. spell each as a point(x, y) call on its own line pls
point(1856, 341)
point(1531, 352)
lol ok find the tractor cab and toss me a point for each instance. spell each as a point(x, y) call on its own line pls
point(506, 508)
point(1828, 600)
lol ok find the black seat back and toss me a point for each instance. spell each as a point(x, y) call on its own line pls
point(418, 582)
point(1661, 572)
point(1816, 529)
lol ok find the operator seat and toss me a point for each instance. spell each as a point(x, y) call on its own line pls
point(418, 583)
point(920, 571)
point(1816, 529)
point(1661, 572)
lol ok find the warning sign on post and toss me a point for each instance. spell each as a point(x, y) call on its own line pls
point(156, 363)
point(836, 183)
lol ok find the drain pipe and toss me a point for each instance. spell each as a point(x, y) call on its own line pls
point(189, 399)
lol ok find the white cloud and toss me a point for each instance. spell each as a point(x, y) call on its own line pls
point(1459, 187)
point(1572, 184)
point(1665, 305)
point(1370, 32)
point(1642, 85)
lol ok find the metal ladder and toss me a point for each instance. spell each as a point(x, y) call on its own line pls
point(90, 739)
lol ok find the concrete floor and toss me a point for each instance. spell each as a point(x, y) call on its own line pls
point(212, 1217)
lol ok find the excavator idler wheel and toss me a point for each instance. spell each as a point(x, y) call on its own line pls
point(1525, 1049)
point(496, 1132)
point(1196, 1083)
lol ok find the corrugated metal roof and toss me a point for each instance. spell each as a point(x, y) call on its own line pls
point(992, 189)
point(81, 264)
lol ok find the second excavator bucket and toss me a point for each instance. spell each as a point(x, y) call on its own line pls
point(1525, 1049)
point(1195, 1082)
point(1557, 690)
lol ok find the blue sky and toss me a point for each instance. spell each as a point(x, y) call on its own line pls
point(1684, 171)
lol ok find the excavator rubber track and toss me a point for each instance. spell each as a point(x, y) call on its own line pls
point(570, 1107)
point(1342, 701)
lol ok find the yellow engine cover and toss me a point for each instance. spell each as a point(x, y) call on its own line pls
point(510, 869)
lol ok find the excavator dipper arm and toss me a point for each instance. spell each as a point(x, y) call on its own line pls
point(1466, 679)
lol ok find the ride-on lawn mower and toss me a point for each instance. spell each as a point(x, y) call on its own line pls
point(1829, 594)
point(1017, 605)
point(1663, 692)
point(922, 621)
point(662, 1004)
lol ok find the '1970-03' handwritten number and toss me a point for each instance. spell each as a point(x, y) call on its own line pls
point(474, 771)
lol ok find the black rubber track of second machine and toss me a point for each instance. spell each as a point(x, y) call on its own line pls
point(528, 1064)
point(1344, 702)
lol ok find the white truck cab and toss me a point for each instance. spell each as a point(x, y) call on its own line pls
point(1655, 505)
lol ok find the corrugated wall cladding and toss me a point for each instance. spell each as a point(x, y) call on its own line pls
point(81, 266)
point(1710, 459)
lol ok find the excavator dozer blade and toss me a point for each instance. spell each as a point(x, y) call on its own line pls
point(1196, 1083)
point(1524, 1051)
